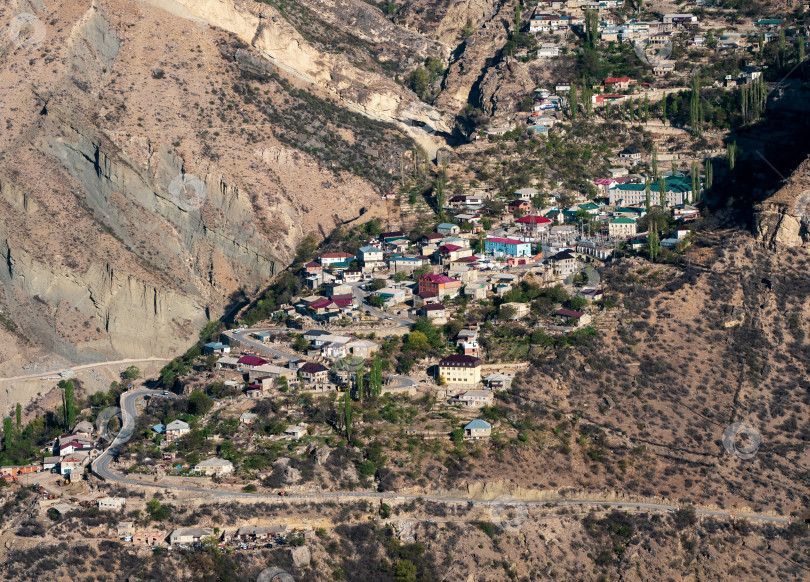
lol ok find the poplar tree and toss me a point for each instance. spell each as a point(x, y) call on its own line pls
point(572, 100)
point(647, 195)
point(655, 162)
point(347, 415)
point(646, 109)
point(19, 417)
point(709, 174)
point(694, 173)
point(664, 110)
point(652, 242)
point(662, 192)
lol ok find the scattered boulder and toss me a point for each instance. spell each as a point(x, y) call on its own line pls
point(301, 556)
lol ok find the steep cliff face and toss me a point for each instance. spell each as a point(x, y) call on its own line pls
point(142, 187)
point(269, 31)
point(783, 220)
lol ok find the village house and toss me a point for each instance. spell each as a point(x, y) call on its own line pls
point(405, 264)
point(296, 431)
point(533, 225)
point(216, 348)
point(110, 503)
point(473, 398)
point(72, 464)
point(631, 152)
point(334, 259)
point(460, 370)
point(313, 373)
point(571, 317)
point(448, 229)
point(371, 257)
point(507, 246)
point(526, 194)
point(249, 362)
point(214, 466)
point(620, 83)
point(247, 418)
point(433, 311)
point(498, 381)
point(189, 535)
point(362, 348)
point(439, 285)
point(176, 429)
point(477, 429)
point(519, 309)
point(519, 207)
point(351, 275)
point(563, 264)
point(148, 538)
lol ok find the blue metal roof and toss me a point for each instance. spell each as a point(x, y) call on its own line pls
point(478, 423)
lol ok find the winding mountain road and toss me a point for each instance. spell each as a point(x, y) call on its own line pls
point(128, 405)
point(74, 369)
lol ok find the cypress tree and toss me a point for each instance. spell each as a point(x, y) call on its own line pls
point(573, 101)
point(662, 192)
point(647, 195)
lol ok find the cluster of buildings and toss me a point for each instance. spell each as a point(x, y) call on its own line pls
point(72, 451)
point(244, 537)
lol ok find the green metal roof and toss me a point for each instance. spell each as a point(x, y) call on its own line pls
point(622, 220)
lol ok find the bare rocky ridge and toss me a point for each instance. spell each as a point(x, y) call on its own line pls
point(783, 220)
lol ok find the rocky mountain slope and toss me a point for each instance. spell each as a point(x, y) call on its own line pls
point(783, 220)
point(154, 166)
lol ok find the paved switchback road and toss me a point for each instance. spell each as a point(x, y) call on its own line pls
point(128, 405)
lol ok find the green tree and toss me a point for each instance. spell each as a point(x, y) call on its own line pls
point(653, 248)
point(69, 408)
point(591, 28)
point(664, 109)
point(347, 413)
point(405, 571)
point(282, 383)
point(18, 411)
point(647, 196)
point(300, 344)
point(131, 373)
point(572, 101)
point(709, 174)
point(8, 434)
point(156, 510)
point(457, 436)
point(655, 163)
point(199, 402)
point(646, 109)
point(694, 173)
point(358, 382)
point(731, 155)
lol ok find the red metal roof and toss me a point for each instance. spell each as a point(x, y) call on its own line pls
point(337, 256)
point(533, 219)
point(251, 361)
point(610, 80)
point(434, 278)
point(449, 248)
point(569, 313)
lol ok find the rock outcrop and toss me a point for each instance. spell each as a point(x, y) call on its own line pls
point(783, 220)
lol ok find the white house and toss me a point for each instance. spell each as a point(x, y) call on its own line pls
point(214, 466)
point(111, 503)
point(189, 535)
point(176, 429)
